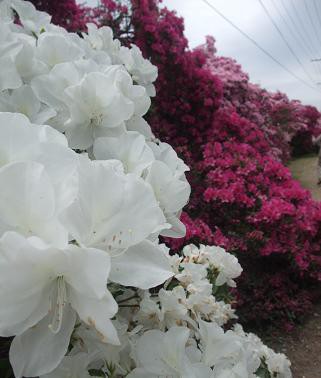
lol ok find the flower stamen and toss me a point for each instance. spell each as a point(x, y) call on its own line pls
point(58, 303)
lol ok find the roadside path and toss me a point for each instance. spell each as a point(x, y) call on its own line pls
point(303, 345)
point(304, 170)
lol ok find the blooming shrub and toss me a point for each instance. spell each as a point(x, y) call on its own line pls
point(233, 134)
point(288, 125)
point(86, 288)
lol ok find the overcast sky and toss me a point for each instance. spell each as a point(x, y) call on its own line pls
point(298, 20)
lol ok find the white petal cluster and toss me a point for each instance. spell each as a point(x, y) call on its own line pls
point(86, 288)
point(224, 265)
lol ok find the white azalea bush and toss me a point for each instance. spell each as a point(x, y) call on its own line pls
point(86, 288)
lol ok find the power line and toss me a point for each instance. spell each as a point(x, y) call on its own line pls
point(312, 22)
point(276, 7)
point(315, 31)
point(302, 27)
point(284, 39)
point(293, 33)
point(301, 35)
point(317, 11)
point(298, 29)
point(258, 46)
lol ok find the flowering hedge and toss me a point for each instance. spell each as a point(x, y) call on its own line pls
point(288, 125)
point(233, 134)
point(86, 287)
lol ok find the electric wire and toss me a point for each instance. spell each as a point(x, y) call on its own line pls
point(296, 36)
point(262, 49)
point(266, 11)
point(317, 11)
point(312, 22)
point(299, 41)
point(316, 34)
point(299, 28)
point(309, 40)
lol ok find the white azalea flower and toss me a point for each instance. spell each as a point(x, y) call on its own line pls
point(73, 222)
point(140, 125)
point(17, 49)
point(6, 13)
point(136, 93)
point(278, 364)
point(22, 141)
point(27, 203)
point(171, 193)
point(226, 264)
point(217, 345)
point(50, 87)
point(192, 273)
point(149, 313)
point(165, 153)
point(162, 354)
point(26, 62)
point(95, 104)
point(112, 210)
point(130, 148)
point(143, 266)
point(43, 287)
point(142, 70)
point(210, 309)
point(73, 366)
point(101, 353)
point(237, 371)
point(173, 306)
point(117, 213)
point(23, 100)
point(102, 39)
point(9, 75)
point(33, 20)
point(53, 49)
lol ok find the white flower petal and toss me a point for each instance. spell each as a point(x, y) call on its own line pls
point(112, 211)
point(130, 148)
point(23, 286)
point(143, 265)
point(94, 266)
point(97, 314)
point(9, 76)
point(27, 202)
point(39, 351)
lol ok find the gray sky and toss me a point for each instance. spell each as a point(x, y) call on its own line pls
point(298, 20)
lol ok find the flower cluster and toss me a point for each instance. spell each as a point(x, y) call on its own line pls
point(86, 288)
point(233, 135)
point(287, 125)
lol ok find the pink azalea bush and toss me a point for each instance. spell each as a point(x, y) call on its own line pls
point(235, 136)
point(287, 124)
